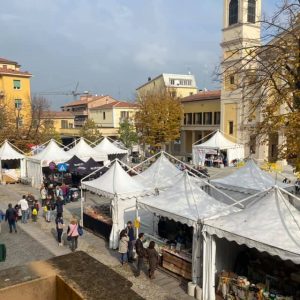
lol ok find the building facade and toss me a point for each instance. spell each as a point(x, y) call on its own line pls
point(202, 116)
point(15, 93)
point(177, 85)
point(241, 31)
point(59, 120)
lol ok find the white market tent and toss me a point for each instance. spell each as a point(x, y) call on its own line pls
point(161, 174)
point(52, 152)
point(107, 147)
point(248, 179)
point(84, 151)
point(216, 143)
point(123, 190)
point(270, 224)
point(187, 203)
point(9, 153)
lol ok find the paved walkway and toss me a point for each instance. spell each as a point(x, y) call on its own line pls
point(37, 241)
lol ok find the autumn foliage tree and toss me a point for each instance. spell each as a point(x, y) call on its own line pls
point(158, 119)
point(269, 76)
point(127, 133)
point(90, 131)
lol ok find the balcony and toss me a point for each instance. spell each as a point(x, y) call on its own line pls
point(83, 112)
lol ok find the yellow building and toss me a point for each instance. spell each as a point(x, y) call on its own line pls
point(15, 92)
point(110, 115)
point(176, 84)
point(60, 120)
point(202, 115)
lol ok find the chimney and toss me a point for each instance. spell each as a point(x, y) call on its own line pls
point(149, 78)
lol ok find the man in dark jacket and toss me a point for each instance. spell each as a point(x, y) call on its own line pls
point(10, 217)
point(130, 233)
point(140, 251)
point(59, 204)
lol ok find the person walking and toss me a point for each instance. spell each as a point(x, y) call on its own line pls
point(123, 246)
point(140, 250)
point(130, 233)
point(10, 217)
point(59, 227)
point(47, 211)
point(153, 259)
point(24, 208)
point(73, 234)
point(43, 193)
point(30, 200)
point(59, 204)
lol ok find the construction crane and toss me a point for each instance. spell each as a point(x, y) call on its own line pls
point(73, 93)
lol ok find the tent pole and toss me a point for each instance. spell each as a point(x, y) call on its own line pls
point(129, 168)
point(87, 176)
point(288, 193)
point(40, 146)
point(14, 147)
point(97, 141)
point(81, 204)
point(136, 217)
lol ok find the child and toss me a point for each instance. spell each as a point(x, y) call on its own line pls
point(34, 214)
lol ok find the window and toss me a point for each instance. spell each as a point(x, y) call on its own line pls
point(172, 81)
point(125, 114)
point(230, 127)
point(252, 144)
point(17, 84)
point(64, 124)
point(103, 115)
point(217, 117)
point(231, 79)
point(251, 11)
point(70, 125)
point(18, 103)
point(198, 118)
point(188, 119)
point(233, 12)
point(207, 118)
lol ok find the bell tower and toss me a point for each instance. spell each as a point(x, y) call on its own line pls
point(241, 29)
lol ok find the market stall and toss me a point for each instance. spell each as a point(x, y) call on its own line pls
point(122, 190)
point(84, 151)
point(111, 150)
point(245, 181)
point(258, 247)
point(12, 163)
point(35, 164)
point(187, 204)
point(217, 151)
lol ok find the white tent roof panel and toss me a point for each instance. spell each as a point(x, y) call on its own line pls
point(7, 152)
point(107, 147)
point(115, 182)
point(270, 224)
point(184, 202)
point(162, 173)
point(84, 151)
point(248, 179)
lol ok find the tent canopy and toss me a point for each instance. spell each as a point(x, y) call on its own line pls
point(184, 202)
point(270, 224)
point(107, 147)
point(90, 166)
point(74, 163)
point(218, 141)
point(84, 151)
point(7, 152)
point(115, 182)
point(248, 179)
point(162, 173)
point(52, 152)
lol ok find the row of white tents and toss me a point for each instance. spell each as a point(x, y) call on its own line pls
point(31, 166)
point(268, 223)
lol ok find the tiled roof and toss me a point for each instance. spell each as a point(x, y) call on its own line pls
point(119, 104)
point(84, 100)
point(14, 72)
point(7, 61)
point(57, 115)
point(203, 95)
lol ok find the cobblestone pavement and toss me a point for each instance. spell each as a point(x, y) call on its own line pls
point(36, 241)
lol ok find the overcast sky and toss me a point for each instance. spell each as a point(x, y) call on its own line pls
point(113, 46)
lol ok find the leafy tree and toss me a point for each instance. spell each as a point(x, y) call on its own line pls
point(158, 119)
point(90, 131)
point(269, 77)
point(128, 134)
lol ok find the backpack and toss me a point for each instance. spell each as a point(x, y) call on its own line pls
point(80, 230)
point(34, 212)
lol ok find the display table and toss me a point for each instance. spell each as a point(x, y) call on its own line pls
point(97, 220)
point(178, 262)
